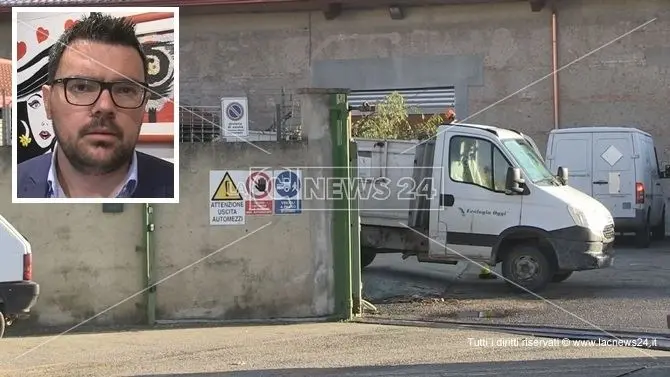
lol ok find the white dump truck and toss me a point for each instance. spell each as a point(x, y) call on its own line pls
point(18, 293)
point(479, 194)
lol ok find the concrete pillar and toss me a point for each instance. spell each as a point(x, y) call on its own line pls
point(315, 120)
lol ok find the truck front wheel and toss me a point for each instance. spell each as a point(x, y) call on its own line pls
point(527, 266)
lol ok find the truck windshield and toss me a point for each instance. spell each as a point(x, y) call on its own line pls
point(529, 161)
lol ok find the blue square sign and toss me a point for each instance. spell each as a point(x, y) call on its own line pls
point(287, 192)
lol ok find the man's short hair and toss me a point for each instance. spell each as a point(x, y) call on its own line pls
point(97, 27)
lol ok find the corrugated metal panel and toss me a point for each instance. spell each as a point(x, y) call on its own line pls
point(427, 98)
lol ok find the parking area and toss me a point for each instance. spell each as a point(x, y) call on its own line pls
point(632, 295)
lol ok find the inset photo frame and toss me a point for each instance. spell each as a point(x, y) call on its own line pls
point(91, 121)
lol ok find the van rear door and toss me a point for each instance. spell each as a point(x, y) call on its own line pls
point(573, 151)
point(614, 172)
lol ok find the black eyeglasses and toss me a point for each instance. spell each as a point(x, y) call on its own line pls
point(85, 92)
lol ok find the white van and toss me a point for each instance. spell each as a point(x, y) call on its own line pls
point(619, 167)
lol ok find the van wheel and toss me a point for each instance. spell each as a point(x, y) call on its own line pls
point(367, 256)
point(643, 236)
point(527, 266)
point(658, 232)
point(561, 276)
point(3, 324)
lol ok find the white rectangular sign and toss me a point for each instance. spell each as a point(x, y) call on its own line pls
point(235, 116)
point(226, 193)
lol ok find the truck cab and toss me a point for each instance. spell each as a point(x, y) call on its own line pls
point(491, 199)
point(18, 293)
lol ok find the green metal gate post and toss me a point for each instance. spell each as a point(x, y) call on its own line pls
point(340, 133)
point(356, 284)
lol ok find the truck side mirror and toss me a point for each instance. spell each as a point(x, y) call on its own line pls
point(514, 181)
point(563, 175)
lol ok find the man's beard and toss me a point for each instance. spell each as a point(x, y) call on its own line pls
point(86, 163)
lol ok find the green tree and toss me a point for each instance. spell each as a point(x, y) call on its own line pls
point(391, 120)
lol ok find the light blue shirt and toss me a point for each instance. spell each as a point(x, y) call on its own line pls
point(56, 191)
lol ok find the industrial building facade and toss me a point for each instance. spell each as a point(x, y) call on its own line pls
point(491, 61)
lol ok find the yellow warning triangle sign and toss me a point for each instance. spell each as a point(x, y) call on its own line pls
point(227, 190)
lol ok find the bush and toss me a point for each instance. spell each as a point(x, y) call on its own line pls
point(391, 120)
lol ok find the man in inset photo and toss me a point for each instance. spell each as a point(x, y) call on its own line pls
point(96, 97)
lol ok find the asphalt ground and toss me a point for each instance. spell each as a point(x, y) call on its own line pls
point(632, 295)
point(321, 349)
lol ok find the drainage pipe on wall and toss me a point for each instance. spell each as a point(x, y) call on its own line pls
point(150, 264)
point(554, 66)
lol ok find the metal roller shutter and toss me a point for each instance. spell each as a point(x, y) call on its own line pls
point(426, 99)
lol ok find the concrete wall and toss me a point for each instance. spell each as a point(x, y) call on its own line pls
point(626, 82)
point(88, 261)
point(268, 275)
point(488, 51)
point(84, 260)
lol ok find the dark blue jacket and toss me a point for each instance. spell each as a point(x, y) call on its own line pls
point(155, 177)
